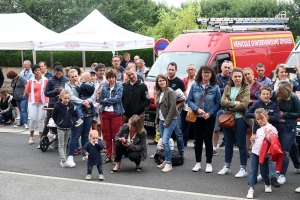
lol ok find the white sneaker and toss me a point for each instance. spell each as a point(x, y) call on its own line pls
point(65, 164)
point(167, 168)
point(209, 168)
point(268, 189)
point(101, 177)
point(88, 177)
point(78, 122)
point(197, 167)
point(152, 156)
point(250, 194)
point(224, 171)
point(85, 158)
point(70, 162)
point(241, 173)
point(26, 126)
point(259, 178)
point(297, 170)
point(297, 190)
point(281, 179)
point(162, 165)
point(51, 123)
point(31, 140)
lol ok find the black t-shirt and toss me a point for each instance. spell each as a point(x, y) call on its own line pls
point(176, 83)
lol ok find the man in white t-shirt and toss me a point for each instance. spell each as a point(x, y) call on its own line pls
point(188, 81)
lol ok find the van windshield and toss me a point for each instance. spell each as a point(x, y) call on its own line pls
point(182, 59)
point(294, 59)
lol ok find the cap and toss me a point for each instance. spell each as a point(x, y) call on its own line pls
point(92, 71)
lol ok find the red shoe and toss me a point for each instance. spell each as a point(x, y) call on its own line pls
point(77, 151)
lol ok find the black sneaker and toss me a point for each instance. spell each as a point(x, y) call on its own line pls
point(152, 142)
point(274, 182)
point(222, 144)
point(215, 153)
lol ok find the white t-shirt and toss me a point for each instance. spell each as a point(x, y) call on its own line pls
point(109, 108)
point(186, 107)
point(161, 117)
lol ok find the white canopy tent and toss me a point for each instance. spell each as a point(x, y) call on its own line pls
point(96, 33)
point(20, 32)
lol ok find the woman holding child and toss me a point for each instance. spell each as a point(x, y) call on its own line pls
point(84, 129)
point(131, 142)
point(235, 101)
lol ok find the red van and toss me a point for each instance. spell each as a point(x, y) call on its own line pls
point(242, 48)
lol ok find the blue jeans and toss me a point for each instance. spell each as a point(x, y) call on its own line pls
point(264, 168)
point(23, 105)
point(286, 138)
point(239, 133)
point(2, 119)
point(81, 131)
point(90, 168)
point(178, 133)
point(185, 126)
point(272, 171)
point(217, 127)
point(166, 133)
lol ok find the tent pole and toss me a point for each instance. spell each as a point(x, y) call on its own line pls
point(34, 56)
point(153, 56)
point(83, 60)
point(22, 55)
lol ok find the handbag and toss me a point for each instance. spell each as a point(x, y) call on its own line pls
point(228, 120)
point(191, 115)
point(177, 159)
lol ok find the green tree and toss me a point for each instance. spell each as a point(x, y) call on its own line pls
point(172, 21)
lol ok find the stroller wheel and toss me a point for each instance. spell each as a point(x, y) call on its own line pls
point(44, 143)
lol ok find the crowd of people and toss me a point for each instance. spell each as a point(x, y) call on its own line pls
point(105, 110)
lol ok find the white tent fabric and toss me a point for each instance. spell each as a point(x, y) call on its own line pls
point(97, 33)
point(19, 32)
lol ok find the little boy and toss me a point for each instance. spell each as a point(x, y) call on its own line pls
point(85, 91)
point(265, 94)
point(92, 150)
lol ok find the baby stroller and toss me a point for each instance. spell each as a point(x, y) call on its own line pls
point(51, 137)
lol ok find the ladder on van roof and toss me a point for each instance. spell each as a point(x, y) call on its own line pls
point(243, 24)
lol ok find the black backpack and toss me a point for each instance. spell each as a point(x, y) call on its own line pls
point(177, 159)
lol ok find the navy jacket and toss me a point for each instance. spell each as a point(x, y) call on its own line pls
point(272, 109)
point(94, 151)
point(53, 83)
point(62, 115)
point(86, 90)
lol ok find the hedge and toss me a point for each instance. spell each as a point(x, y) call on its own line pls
point(71, 58)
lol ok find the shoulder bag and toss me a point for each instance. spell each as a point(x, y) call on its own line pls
point(191, 115)
point(227, 120)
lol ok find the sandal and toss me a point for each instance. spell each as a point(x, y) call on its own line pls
point(115, 170)
point(107, 160)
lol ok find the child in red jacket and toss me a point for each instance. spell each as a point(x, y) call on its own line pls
point(261, 117)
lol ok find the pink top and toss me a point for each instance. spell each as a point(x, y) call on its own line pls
point(260, 136)
point(37, 91)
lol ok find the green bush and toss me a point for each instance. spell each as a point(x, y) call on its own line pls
point(70, 58)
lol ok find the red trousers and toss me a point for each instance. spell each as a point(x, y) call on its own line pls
point(111, 125)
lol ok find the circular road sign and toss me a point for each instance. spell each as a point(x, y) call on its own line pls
point(160, 45)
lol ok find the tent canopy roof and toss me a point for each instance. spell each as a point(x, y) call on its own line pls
point(19, 32)
point(97, 33)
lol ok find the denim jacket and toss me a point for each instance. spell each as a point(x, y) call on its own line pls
point(115, 100)
point(212, 101)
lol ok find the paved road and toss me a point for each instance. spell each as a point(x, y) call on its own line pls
point(27, 173)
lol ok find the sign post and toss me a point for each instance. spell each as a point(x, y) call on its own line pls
point(160, 45)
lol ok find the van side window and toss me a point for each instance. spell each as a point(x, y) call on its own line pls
point(218, 61)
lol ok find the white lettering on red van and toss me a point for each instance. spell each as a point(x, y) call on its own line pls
point(262, 42)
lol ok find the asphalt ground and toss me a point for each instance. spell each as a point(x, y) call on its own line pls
point(28, 173)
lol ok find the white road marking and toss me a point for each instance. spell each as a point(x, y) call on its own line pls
point(124, 186)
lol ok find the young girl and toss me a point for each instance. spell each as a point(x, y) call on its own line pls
point(92, 150)
point(62, 116)
point(261, 117)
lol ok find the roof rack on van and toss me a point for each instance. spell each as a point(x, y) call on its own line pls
point(243, 24)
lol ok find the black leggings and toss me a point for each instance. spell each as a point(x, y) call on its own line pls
point(133, 156)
